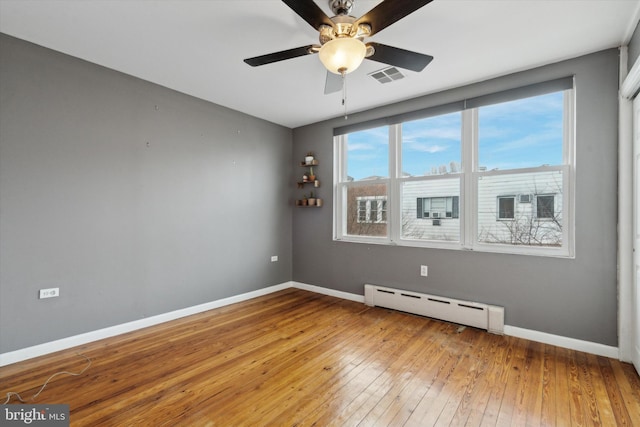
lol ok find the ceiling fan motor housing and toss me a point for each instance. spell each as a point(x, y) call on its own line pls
point(343, 27)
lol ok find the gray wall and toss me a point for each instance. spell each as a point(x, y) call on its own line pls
point(137, 200)
point(131, 198)
point(634, 48)
point(568, 297)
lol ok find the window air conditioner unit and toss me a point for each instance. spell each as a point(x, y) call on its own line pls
point(435, 215)
point(525, 198)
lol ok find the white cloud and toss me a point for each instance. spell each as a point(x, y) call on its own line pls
point(528, 141)
point(427, 148)
point(360, 146)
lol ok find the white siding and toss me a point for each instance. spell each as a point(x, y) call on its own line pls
point(525, 228)
point(423, 228)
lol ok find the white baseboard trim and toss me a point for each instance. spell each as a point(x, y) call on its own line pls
point(565, 342)
point(69, 342)
point(327, 291)
point(76, 340)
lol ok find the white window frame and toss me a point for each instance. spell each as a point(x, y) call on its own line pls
point(467, 203)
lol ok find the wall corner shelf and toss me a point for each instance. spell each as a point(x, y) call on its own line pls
point(307, 179)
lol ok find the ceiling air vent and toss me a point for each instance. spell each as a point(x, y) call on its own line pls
point(387, 75)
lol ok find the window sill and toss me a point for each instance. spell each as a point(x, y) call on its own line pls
point(456, 246)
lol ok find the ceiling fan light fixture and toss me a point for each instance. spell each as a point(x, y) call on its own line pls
point(343, 54)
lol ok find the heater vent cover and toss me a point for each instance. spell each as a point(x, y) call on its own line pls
point(479, 315)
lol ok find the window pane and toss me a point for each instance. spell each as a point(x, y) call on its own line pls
point(523, 133)
point(364, 216)
point(430, 209)
point(368, 154)
point(431, 146)
point(544, 206)
point(362, 210)
point(383, 210)
point(524, 226)
point(506, 207)
point(373, 211)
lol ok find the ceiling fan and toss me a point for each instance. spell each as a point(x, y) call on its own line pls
point(342, 48)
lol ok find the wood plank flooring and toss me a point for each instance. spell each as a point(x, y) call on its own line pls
point(296, 358)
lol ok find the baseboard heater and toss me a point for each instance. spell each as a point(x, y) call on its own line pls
point(478, 315)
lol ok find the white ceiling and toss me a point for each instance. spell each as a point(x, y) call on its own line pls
point(197, 47)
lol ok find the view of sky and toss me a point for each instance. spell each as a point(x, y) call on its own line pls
point(517, 134)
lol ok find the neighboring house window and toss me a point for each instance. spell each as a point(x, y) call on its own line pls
point(383, 210)
point(545, 206)
point(480, 174)
point(362, 211)
point(438, 207)
point(372, 209)
point(506, 207)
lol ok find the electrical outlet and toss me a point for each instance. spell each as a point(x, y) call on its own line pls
point(424, 270)
point(274, 258)
point(49, 293)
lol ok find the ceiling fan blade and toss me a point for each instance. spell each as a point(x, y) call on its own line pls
point(413, 61)
point(333, 83)
point(280, 56)
point(310, 12)
point(388, 12)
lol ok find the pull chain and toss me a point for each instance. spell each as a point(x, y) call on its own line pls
point(343, 73)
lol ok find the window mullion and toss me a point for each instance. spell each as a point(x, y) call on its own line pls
point(468, 184)
point(339, 168)
point(395, 162)
point(569, 174)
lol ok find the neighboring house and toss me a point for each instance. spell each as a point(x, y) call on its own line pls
point(523, 209)
point(518, 209)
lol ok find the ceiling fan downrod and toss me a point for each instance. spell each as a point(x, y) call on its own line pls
point(341, 7)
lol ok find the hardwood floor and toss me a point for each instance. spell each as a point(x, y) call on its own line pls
point(300, 358)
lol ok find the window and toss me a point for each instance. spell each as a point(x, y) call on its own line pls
point(372, 209)
point(431, 158)
point(437, 207)
point(492, 173)
point(506, 207)
point(364, 176)
point(545, 207)
point(362, 210)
